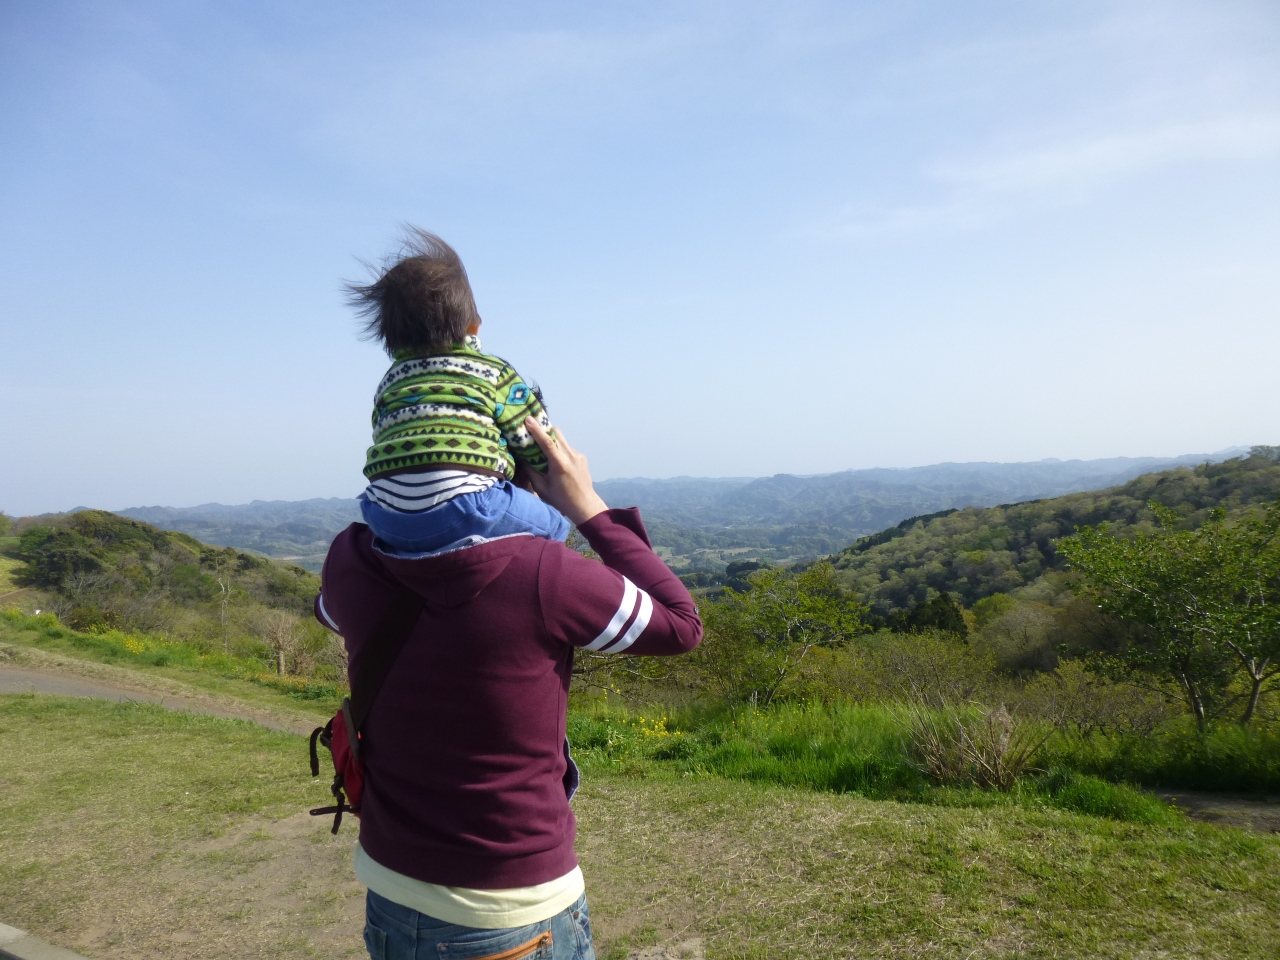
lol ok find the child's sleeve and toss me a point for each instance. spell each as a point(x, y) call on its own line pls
point(515, 401)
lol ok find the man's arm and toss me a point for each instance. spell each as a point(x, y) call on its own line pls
point(631, 602)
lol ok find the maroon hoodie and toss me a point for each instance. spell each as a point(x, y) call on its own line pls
point(465, 765)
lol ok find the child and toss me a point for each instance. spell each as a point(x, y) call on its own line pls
point(448, 420)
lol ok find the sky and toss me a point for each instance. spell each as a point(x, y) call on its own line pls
point(727, 238)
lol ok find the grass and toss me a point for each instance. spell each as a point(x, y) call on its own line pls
point(246, 679)
point(1225, 757)
point(8, 566)
point(118, 830)
point(129, 831)
point(840, 748)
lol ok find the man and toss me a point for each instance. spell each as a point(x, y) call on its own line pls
point(466, 836)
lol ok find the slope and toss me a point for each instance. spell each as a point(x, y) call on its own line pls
point(977, 552)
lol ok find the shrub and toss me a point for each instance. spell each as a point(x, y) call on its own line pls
point(986, 747)
point(1076, 699)
point(927, 668)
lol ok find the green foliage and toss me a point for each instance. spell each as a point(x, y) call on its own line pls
point(1080, 793)
point(756, 639)
point(1224, 756)
point(975, 553)
point(1206, 601)
point(992, 608)
point(53, 555)
point(101, 572)
point(836, 747)
point(942, 614)
point(863, 544)
point(736, 574)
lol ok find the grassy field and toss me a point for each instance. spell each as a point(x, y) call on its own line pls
point(130, 831)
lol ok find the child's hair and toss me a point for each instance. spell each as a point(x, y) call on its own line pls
point(422, 300)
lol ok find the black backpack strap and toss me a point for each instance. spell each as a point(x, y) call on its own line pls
point(378, 658)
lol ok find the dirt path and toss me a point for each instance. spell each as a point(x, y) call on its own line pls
point(1227, 809)
point(25, 680)
point(27, 670)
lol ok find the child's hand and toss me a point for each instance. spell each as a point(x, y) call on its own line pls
point(567, 483)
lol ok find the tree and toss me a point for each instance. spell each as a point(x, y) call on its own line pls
point(755, 639)
point(1206, 601)
point(282, 632)
point(942, 613)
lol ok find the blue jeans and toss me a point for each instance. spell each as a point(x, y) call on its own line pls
point(502, 510)
point(393, 932)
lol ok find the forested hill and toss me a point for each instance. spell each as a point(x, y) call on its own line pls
point(100, 572)
point(976, 552)
point(700, 523)
point(299, 531)
point(798, 516)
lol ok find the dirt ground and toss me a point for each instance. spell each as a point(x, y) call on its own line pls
point(27, 670)
point(1260, 814)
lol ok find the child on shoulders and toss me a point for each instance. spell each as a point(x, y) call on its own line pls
point(448, 419)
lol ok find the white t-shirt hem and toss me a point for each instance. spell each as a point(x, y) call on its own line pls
point(483, 909)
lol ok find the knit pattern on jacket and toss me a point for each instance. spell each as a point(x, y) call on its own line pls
point(462, 408)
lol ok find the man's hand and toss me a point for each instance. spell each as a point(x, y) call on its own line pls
point(567, 483)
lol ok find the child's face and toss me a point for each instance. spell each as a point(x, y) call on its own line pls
point(474, 328)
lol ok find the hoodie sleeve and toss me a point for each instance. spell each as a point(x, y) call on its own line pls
point(629, 603)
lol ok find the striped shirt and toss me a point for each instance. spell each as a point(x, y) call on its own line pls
point(419, 492)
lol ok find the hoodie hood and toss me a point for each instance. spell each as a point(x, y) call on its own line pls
point(452, 579)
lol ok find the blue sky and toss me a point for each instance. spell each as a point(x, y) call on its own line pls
point(726, 238)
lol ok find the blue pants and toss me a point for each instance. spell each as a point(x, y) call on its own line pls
point(502, 510)
point(394, 932)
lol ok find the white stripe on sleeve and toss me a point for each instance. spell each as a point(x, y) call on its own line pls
point(327, 619)
point(637, 627)
point(619, 619)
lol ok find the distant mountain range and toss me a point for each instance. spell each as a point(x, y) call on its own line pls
point(700, 521)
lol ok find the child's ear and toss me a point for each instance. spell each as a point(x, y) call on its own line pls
point(474, 327)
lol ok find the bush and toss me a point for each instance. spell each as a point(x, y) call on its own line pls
point(928, 668)
point(989, 748)
point(1076, 699)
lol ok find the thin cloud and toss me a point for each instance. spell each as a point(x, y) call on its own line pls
point(976, 192)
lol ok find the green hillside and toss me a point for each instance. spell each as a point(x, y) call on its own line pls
point(102, 573)
point(976, 553)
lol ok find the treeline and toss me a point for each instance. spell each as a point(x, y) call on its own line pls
point(800, 540)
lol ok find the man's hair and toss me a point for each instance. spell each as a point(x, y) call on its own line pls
point(422, 300)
